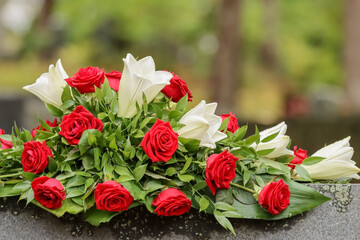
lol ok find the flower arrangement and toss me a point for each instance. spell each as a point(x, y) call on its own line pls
point(120, 140)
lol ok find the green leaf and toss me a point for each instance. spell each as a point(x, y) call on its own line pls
point(88, 182)
point(224, 195)
point(251, 139)
point(75, 181)
point(22, 186)
point(302, 172)
point(83, 142)
point(312, 160)
point(224, 206)
point(29, 176)
point(135, 189)
point(67, 206)
point(302, 198)
point(66, 94)
point(269, 138)
point(52, 165)
point(68, 104)
point(99, 94)
point(8, 191)
point(54, 110)
point(102, 115)
point(265, 152)
point(95, 217)
point(148, 203)
point(243, 196)
point(113, 144)
point(224, 221)
point(145, 122)
point(284, 159)
point(122, 171)
point(108, 172)
point(185, 178)
point(204, 203)
point(240, 133)
point(153, 185)
point(170, 171)
point(200, 185)
point(91, 139)
point(155, 176)
point(187, 164)
point(65, 175)
point(75, 191)
point(125, 178)
point(139, 172)
point(182, 104)
point(108, 93)
point(246, 177)
point(73, 156)
point(97, 158)
point(259, 181)
point(27, 195)
point(224, 124)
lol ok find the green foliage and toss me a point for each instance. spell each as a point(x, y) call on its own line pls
point(116, 154)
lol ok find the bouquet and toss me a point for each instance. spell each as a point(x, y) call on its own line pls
point(123, 139)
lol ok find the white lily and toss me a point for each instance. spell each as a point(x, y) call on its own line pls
point(202, 124)
point(138, 78)
point(49, 86)
point(279, 143)
point(337, 163)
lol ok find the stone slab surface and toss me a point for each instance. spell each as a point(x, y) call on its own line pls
point(336, 219)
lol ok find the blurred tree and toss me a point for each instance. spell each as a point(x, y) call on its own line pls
point(269, 55)
point(352, 53)
point(225, 65)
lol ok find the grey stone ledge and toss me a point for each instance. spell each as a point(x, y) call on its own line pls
point(336, 219)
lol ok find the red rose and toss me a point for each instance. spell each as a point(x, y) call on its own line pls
point(232, 125)
point(111, 196)
point(220, 170)
point(51, 124)
point(74, 124)
point(5, 144)
point(114, 79)
point(49, 192)
point(35, 156)
point(86, 78)
point(177, 89)
point(160, 142)
point(274, 197)
point(171, 202)
point(299, 156)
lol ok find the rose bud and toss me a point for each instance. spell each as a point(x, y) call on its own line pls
point(74, 124)
point(299, 156)
point(112, 196)
point(232, 125)
point(5, 144)
point(49, 192)
point(177, 89)
point(171, 202)
point(86, 79)
point(220, 170)
point(114, 79)
point(35, 156)
point(274, 197)
point(161, 142)
point(51, 124)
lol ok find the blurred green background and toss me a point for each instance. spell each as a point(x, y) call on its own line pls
point(265, 60)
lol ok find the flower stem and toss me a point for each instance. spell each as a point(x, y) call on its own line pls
point(11, 175)
point(273, 179)
point(243, 188)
